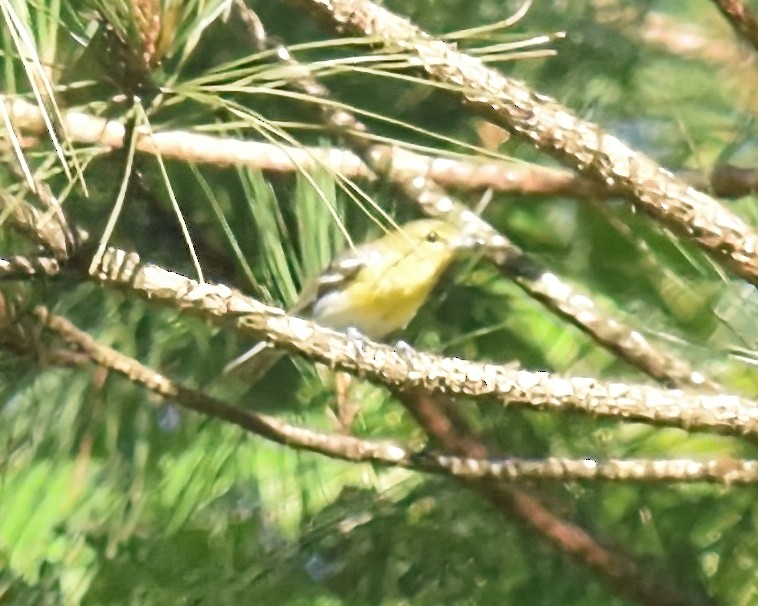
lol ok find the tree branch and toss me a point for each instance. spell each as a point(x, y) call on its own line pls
point(405, 369)
point(556, 130)
point(536, 281)
point(741, 19)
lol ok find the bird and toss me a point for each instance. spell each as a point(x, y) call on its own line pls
point(375, 288)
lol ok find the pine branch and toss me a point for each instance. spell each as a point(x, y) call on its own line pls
point(555, 130)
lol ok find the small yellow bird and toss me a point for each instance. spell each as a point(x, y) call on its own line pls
point(375, 288)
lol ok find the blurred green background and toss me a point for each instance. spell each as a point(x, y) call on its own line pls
point(109, 495)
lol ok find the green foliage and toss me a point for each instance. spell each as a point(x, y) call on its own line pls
point(111, 496)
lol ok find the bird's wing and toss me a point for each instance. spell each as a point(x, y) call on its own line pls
point(258, 360)
point(340, 272)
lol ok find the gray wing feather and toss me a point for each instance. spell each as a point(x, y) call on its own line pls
point(257, 361)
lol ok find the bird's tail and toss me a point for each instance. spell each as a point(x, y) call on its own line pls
point(252, 365)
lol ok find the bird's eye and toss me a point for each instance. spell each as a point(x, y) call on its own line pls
point(432, 236)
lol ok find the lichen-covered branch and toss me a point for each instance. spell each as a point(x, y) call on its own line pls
point(558, 131)
point(521, 178)
point(557, 295)
point(471, 174)
point(271, 428)
point(726, 471)
point(404, 368)
point(385, 453)
point(510, 500)
point(442, 421)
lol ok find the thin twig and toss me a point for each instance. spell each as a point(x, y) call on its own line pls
point(271, 428)
point(442, 421)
